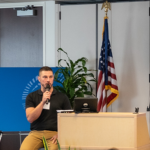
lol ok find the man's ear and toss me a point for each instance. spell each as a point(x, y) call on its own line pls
point(39, 78)
point(53, 79)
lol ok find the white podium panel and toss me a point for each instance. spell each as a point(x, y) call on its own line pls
point(124, 131)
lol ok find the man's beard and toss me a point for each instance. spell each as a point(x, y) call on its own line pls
point(44, 86)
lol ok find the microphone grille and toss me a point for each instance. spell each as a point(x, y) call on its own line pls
point(47, 87)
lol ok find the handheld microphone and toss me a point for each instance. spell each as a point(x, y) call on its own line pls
point(47, 88)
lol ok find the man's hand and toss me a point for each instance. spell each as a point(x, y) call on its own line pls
point(46, 95)
point(54, 139)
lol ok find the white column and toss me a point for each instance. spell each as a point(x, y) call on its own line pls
point(49, 34)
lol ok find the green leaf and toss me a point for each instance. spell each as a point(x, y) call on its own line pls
point(58, 145)
point(90, 87)
point(87, 74)
point(60, 89)
point(60, 49)
point(45, 143)
point(71, 91)
point(85, 69)
point(59, 61)
point(77, 72)
point(79, 94)
point(72, 64)
point(56, 74)
point(83, 79)
point(94, 80)
point(59, 81)
point(77, 81)
point(65, 84)
point(83, 60)
point(84, 87)
point(88, 93)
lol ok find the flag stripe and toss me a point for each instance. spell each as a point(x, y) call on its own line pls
point(113, 86)
point(111, 65)
point(99, 77)
point(112, 75)
point(112, 70)
point(110, 59)
point(111, 81)
point(101, 95)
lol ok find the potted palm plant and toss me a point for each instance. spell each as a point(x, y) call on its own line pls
point(74, 78)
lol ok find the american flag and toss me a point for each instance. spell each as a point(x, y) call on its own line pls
point(107, 91)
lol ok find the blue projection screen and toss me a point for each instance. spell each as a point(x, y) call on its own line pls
point(15, 85)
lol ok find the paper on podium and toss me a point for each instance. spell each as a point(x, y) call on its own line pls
point(65, 111)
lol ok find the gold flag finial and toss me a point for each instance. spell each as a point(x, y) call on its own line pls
point(107, 6)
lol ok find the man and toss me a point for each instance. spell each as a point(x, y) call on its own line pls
point(41, 107)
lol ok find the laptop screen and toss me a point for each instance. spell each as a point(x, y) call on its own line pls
point(85, 105)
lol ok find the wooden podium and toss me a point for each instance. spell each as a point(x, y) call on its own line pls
point(103, 131)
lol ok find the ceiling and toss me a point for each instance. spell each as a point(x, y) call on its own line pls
point(65, 2)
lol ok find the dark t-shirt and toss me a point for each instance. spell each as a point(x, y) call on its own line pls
point(48, 118)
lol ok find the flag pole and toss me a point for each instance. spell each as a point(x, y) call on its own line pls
point(107, 6)
point(106, 99)
point(107, 79)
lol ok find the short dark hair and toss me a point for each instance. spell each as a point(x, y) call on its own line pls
point(45, 68)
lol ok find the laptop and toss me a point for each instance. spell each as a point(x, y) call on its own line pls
point(85, 105)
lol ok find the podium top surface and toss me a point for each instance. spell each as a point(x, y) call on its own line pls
point(121, 114)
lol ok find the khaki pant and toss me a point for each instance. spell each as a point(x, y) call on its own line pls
point(34, 140)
